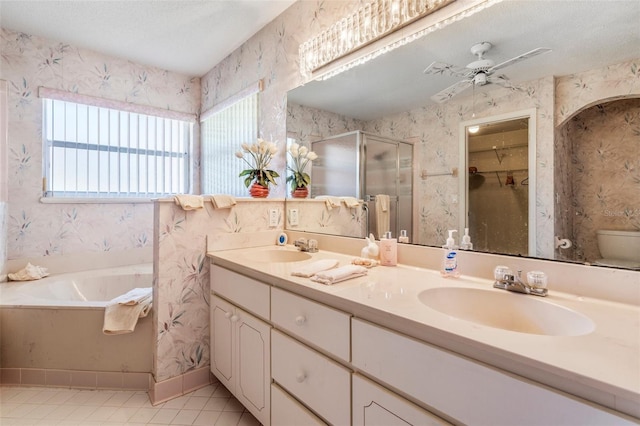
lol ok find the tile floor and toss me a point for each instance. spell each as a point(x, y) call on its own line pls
point(211, 405)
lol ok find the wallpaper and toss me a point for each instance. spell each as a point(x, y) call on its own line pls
point(27, 62)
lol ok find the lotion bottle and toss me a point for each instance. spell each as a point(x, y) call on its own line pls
point(388, 250)
point(450, 260)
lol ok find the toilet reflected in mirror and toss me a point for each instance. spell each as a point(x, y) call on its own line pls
point(620, 249)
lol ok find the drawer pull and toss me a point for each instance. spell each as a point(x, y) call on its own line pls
point(300, 377)
point(234, 318)
point(300, 320)
point(227, 315)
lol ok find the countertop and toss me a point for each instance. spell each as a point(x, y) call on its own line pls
point(602, 366)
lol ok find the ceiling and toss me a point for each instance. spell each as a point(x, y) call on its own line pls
point(583, 35)
point(185, 36)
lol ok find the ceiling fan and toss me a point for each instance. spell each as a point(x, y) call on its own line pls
point(478, 72)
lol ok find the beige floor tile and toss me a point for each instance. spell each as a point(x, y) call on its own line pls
point(207, 418)
point(164, 416)
point(122, 414)
point(144, 415)
point(228, 418)
point(216, 404)
point(233, 405)
point(247, 419)
point(185, 417)
point(101, 414)
point(41, 411)
point(176, 403)
point(196, 403)
point(118, 399)
point(62, 412)
point(21, 411)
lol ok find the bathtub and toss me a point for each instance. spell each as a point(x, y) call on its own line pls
point(85, 289)
point(51, 331)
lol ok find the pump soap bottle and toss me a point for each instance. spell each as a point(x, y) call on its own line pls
point(388, 250)
point(466, 243)
point(450, 260)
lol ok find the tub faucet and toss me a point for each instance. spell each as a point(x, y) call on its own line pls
point(509, 281)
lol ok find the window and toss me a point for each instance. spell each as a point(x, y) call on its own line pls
point(103, 152)
point(223, 129)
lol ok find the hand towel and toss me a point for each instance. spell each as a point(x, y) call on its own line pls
point(28, 273)
point(382, 215)
point(329, 201)
point(223, 201)
point(342, 273)
point(350, 202)
point(313, 268)
point(189, 202)
point(122, 313)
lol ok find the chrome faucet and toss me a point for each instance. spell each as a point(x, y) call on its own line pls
point(310, 246)
point(509, 281)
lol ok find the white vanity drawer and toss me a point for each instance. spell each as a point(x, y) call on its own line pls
point(317, 324)
point(320, 383)
point(467, 391)
point(286, 411)
point(242, 291)
point(376, 405)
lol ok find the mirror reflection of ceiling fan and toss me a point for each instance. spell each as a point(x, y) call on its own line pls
point(478, 72)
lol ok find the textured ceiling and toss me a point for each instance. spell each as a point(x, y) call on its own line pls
point(184, 36)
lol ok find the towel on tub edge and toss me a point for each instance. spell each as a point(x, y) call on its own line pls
point(122, 313)
point(189, 202)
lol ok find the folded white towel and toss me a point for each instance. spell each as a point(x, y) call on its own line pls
point(122, 313)
point(189, 202)
point(28, 273)
point(132, 297)
point(342, 273)
point(350, 202)
point(223, 201)
point(313, 268)
point(329, 201)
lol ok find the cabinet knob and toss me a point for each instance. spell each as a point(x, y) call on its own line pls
point(300, 320)
point(234, 318)
point(227, 315)
point(300, 377)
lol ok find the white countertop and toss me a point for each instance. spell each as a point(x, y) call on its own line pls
point(602, 366)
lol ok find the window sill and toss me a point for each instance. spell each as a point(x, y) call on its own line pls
point(63, 200)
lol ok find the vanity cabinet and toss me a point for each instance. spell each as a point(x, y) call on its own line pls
point(241, 342)
point(286, 411)
point(465, 390)
point(374, 405)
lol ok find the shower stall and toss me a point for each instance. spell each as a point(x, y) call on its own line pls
point(370, 168)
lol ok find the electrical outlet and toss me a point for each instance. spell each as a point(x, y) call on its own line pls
point(292, 217)
point(273, 217)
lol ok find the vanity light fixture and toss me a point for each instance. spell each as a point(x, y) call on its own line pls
point(473, 129)
point(371, 22)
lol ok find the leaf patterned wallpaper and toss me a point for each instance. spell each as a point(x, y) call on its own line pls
point(36, 229)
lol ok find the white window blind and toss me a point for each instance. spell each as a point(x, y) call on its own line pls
point(96, 152)
point(223, 130)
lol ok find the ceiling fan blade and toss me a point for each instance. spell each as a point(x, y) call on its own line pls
point(519, 58)
point(443, 68)
point(451, 91)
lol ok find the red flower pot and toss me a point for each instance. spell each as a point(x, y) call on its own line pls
point(300, 192)
point(258, 191)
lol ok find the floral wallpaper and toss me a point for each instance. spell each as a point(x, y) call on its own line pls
point(317, 216)
point(35, 229)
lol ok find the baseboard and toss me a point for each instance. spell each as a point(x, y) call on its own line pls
point(75, 379)
point(165, 390)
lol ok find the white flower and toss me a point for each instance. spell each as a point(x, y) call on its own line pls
point(303, 151)
point(239, 154)
point(273, 148)
point(312, 156)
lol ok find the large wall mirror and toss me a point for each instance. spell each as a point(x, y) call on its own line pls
point(593, 65)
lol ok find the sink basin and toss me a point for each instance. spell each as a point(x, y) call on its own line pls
point(507, 311)
point(278, 256)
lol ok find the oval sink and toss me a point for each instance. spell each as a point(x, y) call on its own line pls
point(507, 311)
point(278, 256)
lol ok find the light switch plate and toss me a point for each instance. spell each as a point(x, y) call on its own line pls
point(292, 217)
point(273, 217)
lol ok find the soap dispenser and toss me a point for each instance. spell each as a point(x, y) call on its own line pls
point(403, 238)
point(388, 250)
point(450, 260)
point(466, 243)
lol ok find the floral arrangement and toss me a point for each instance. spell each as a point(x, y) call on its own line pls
point(301, 157)
point(260, 153)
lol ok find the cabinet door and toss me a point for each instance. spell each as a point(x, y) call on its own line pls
point(253, 374)
point(222, 345)
point(374, 405)
point(286, 411)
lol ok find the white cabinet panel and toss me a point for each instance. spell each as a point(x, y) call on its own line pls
point(240, 356)
point(374, 405)
point(320, 383)
point(467, 391)
point(318, 324)
point(243, 291)
point(286, 411)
